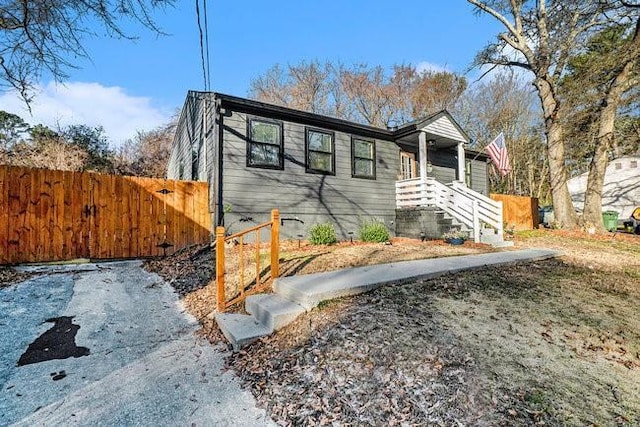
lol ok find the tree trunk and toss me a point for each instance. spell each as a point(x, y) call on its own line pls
point(592, 214)
point(564, 213)
point(595, 182)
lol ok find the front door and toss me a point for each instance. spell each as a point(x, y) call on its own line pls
point(408, 168)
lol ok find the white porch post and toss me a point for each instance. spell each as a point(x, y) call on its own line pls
point(461, 163)
point(422, 155)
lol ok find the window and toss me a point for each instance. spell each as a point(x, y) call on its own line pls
point(320, 152)
point(264, 144)
point(467, 174)
point(363, 158)
point(633, 164)
point(618, 166)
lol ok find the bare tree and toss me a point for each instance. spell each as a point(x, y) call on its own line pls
point(507, 104)
point(361, 93)
point(47, 36)
point(540, 37)
point(148, 153)
point(50, 152)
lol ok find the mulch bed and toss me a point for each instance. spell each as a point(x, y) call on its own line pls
point(9, 276)
point(187, 270)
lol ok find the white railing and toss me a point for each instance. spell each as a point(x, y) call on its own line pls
point(467, 206)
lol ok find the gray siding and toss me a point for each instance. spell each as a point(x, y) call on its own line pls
point(193, 152)
point(479, 177)
point(313, 198)
point(189, 152)
point(444, 165)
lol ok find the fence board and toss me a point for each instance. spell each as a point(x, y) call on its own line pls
point(4, 215)
point(58, 214)
point(54, 215)
point(519, 212)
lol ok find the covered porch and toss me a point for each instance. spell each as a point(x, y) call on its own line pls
point(435, 173)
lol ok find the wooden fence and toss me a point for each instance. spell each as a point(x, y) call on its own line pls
point(519, 212)
point(48, 215)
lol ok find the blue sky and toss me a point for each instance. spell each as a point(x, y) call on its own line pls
point(136, 85)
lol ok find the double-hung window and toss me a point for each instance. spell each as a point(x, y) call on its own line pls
point(363, 158)
point(264, 144)
point(320, 150)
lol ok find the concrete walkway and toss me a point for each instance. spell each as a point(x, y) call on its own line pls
point(295, 295)
point(140, 363)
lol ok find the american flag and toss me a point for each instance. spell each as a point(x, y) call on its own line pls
point(497, 150)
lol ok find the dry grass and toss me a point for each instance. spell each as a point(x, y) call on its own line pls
point(546, 343)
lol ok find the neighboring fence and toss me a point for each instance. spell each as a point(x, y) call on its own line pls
point(48, 215)
point(520, 212)
point(230, 292)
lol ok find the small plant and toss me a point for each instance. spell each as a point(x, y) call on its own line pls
point(322, 234)
point(374, 231)
point(455, 235)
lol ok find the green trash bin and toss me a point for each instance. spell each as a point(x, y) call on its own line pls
point(610, 220)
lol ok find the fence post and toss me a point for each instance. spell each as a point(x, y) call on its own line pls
point(476, 222)
point(275, 243)
point(220, 268)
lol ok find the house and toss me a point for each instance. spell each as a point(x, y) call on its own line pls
point(621, 189)
point(418, 179)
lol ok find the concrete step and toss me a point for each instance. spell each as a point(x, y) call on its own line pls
point(241, 329)
point(490, 236)
point(272, 310)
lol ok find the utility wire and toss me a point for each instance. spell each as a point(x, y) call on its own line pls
point(206, 41)
point(204, 67)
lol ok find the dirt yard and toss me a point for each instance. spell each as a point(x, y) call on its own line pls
point(546, 343)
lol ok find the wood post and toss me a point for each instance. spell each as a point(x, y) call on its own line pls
point(275, 243)
point(461, 164)
point(422, 155)
point(220, 268)
point(476, 222)
point(222, 303)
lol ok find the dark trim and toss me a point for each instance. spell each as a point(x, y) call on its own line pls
point(220, 121)
point(307, 151)
point(353, 158)
point(472, 154)
point(249, 141)
point(262, 109)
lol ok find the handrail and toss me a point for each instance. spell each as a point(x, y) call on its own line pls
point(242, 289)
point(467, 206)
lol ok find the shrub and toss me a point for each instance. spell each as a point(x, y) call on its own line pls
point(322, 234)
point(374, 231)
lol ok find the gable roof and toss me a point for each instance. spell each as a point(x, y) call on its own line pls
point(284, 113)
point(424, 123)
point(251, 106)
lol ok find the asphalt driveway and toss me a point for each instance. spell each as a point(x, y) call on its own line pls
point(109, 344)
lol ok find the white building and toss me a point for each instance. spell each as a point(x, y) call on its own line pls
point(621, 191)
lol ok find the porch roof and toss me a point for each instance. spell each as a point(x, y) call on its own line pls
point(441, 129)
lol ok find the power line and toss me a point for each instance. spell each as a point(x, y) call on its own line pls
point(206, 40)
point(202, 53)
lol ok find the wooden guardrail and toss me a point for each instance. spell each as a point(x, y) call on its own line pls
point(467, 206)
point(258, 284)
